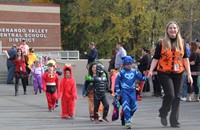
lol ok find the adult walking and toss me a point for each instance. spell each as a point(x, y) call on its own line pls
point(144, 65)
point(10, 65)
point(120, 54)
point(171, 60)
point(93, 54)
point(20, 70)
point(195, 67)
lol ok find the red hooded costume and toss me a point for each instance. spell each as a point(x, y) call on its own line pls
point(68, 93)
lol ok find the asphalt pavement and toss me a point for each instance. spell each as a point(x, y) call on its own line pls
point(29, 112)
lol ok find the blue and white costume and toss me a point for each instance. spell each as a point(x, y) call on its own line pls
point(126, 89)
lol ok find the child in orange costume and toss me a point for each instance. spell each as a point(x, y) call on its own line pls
point(50, 86)
point(68, 93)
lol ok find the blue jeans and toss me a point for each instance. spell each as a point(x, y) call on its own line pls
point(184, 87)
point(10, 75)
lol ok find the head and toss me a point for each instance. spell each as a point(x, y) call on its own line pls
point(23, 41)
point(37, 63)
point(14, 46)
point(119, 45)
point(31, 50)
point(194, 46)
point(145, 50)
point(50, 67)
point(68, 73)
point(198, 42)
point(19, 52)
point(127, 62)
point(173, 32)
point(92, 69)
point(91, 45)
point(99, 69)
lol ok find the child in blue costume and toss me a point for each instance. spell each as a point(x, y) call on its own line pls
point(126, 79)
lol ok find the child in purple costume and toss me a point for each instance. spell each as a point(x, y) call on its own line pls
point(37, 73)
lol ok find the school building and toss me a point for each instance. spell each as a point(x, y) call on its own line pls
point(38, 24)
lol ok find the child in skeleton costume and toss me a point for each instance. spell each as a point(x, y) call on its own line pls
point(100, 85)
point(37, 76)
point(126, 79)
point(50, 86)
point(68, 93)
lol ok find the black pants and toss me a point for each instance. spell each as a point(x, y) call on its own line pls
point(97, 100)
point(195, 85)
point(156, 85)
point(171, 84)
point(23, 79)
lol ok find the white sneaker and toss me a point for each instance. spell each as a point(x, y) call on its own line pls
point(183, 99)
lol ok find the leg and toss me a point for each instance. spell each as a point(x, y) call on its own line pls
point(10, 74)
point(96, 107)
point(168, 87)
point(35, 83)
point(16, 85)
point(91, 104)
point(64, 105)
point(49, 101)
point(24, 83)
point(72, 107)
point(177, 82)
point(106, 108)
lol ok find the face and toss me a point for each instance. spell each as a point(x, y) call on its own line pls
point(94, 69)
point(67, 74)
point(50, 69)
point(19, 51)
point(117, 46)
point(172, 30)
point(38, 64)
point(129, 66)
point(90, 46)
point(143, 52)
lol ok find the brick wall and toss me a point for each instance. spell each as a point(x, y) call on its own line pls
point(38, 24)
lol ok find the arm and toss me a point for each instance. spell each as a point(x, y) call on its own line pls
point(140, 77)
point(153, 66)
point(74, 90)
point(6, 53)
point(44, 82)
point(187, 67)
point(117, 85)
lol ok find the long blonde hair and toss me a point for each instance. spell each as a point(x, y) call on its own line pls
point(178, 45)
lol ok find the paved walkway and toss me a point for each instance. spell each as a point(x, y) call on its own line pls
point(29, 112)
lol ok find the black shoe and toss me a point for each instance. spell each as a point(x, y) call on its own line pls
point(175, 125)
point(25, 93)
point(163, 121)
point(10, 82)
point(16, 94)
point(40, 90)
point(123, 122)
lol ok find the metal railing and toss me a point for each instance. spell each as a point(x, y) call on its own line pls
point(60, 54)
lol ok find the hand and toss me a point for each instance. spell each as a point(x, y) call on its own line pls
point(190, 80)
point(85, 53)
point(4, 51)
point(150, 74)
point(113, 94)
point(118, 97)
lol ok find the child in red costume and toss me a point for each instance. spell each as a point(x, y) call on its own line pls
point(68, 93)
point(50, 86)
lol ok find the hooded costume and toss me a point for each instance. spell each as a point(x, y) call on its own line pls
point(126, 79)
point(68, 93)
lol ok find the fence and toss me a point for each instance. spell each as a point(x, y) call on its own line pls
point(60, 54)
